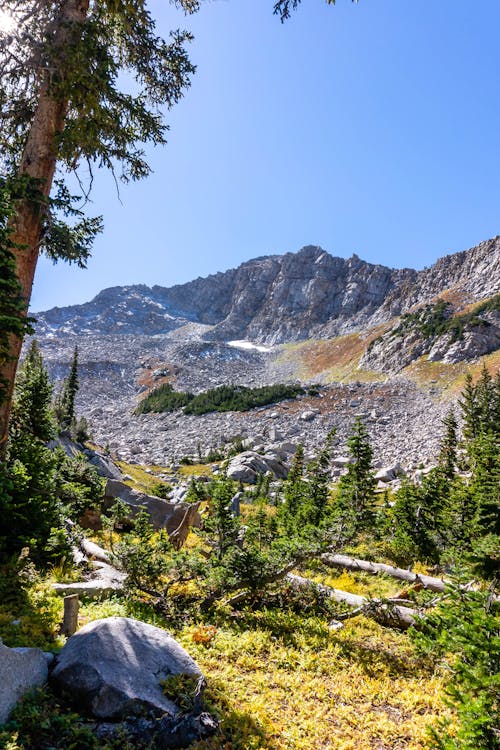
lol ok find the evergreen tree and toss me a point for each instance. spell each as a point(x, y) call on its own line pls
point(485, 480)
point(356, 488)
point(69, 391)
point(470, 409)
point(485, 391)
point(294, 494)
point(464, 631)
point(421, 519)
point(32, 416)
point(318, 474)
point(480, 408)
point(449, 444)
point(221, 528)
point(29, 506)
point(13, 322)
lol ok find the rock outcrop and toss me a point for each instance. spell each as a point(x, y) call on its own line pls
point(399, 347)
point(21, 670)
point(246, 467)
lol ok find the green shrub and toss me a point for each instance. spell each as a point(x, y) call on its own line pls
point(464, 630)
point(223, 398)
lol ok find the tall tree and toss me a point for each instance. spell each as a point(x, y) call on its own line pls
point(62, 103)
point(449, 444)
point(70, 390)
point(28, 492)
point(356, 487)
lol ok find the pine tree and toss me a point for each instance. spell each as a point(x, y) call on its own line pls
point(221, 528)
point(29, 507)
point(485, 390)
point(470, 409)
point(318, 476)
point(449, 444)
point(69, 391)
point(356, 488)
point(421, 516)
point(32, 414)
point(294, 493)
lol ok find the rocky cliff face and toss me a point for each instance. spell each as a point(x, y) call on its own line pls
point(290, 297)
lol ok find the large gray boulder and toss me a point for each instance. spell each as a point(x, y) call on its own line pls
point(390, 473)
point(112, 669)
point(163, 513)
point(21, 670)
point(246, 467)
point(103, 465)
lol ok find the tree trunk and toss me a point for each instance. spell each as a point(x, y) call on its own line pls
point(365, 566)
point(38, 161)
point(384, 612)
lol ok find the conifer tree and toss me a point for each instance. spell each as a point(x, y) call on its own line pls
point(29, 507)
point(70, 389)
point(469, 407)
point(220, 528)
point(294, 493)
point(449, 444)
point(356, 487)
point(32, 414)
point(318, 475)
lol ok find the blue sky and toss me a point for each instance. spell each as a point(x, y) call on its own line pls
point(369, 128)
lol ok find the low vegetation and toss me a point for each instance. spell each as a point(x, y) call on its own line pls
point(223, 398)
point(438, 319)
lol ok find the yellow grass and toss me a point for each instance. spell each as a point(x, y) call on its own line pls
point(332, 360)
point(450, 377)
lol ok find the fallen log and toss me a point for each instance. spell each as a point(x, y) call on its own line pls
point(366, 566)
point(383, 611)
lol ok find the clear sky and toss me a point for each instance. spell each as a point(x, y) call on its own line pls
point(371, 128)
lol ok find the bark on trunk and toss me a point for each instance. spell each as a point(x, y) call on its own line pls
point(384, 612)
point(38, 161)
point(352, 563)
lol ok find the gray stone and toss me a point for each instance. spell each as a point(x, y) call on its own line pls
point(389, 473)
point(163, 514)
point(275, 435)
point(68, 445)
point(21, 670)
point(103, 465)
point(342, 461)
point(113, 668)
point(248, 465)
point(309, 415)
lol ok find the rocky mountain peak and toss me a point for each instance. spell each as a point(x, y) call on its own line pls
point(279, 298)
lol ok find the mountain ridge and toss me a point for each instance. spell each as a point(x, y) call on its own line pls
point(283, 298)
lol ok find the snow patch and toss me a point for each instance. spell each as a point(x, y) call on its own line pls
point(241, 344)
